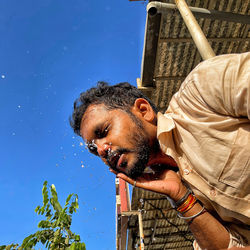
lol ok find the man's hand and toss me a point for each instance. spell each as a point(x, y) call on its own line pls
point(166, 182)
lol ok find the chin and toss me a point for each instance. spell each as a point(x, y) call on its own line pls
point(136, 171)
point(136, 166)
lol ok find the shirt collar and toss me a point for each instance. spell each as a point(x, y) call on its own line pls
point(165, 126)
point(165, 123)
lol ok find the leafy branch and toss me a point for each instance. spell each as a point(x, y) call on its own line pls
point(55, 230)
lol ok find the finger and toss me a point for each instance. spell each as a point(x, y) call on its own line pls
point(126, 178)
point(140, 181)
point(113, 171)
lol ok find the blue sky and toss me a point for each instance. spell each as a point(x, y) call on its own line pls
point(51, 50)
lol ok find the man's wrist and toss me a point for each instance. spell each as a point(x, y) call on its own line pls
point(188, 207)
point(197, 210)
point(182, 193)
point(180, 198)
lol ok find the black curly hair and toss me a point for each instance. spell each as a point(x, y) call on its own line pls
point(119, 96)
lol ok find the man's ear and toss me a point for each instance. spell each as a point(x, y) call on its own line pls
point(143, 108)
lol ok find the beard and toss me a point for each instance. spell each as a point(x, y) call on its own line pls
point(142, 149)
point(143, 153)
point(141, 159)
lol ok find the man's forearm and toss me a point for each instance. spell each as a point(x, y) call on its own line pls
point(208, 232)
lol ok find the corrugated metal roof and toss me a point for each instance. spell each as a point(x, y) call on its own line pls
point(161, 227)
point(169, 55)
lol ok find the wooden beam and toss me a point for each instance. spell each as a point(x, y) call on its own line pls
point(166, 8)
point(122, 205)
point(212, 39)
point(195, 31)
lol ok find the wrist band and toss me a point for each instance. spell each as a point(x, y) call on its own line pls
point(178, 203)
point(187, 205)
point(191, 218)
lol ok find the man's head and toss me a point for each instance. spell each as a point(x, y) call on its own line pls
point(117, 123)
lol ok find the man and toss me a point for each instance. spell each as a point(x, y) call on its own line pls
point(202, 143)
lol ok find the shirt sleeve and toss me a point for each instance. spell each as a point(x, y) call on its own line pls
point(224, 84)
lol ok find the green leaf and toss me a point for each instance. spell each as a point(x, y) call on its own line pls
point(77, 238)
point(54, 199)
point(27, 242)
point(9, 247)
point(37, 209)
point(74, 205)
point(77, 246)
point(45, 194)
point(68, 199)
point(44, 224)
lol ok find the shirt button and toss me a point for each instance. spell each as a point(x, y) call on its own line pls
point(213, 192)
point(186, 171)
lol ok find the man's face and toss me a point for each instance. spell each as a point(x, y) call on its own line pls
point(117, 137)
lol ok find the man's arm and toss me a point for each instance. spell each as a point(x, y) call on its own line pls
point(208, 232)
point(223, 87)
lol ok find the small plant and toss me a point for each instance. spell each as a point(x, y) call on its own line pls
point(55, 230)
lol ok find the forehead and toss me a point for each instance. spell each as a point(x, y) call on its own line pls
point(94, 114)
point(94, 111)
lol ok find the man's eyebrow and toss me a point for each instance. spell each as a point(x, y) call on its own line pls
point(95, 128)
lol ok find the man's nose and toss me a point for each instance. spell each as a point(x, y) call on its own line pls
point(103, 149)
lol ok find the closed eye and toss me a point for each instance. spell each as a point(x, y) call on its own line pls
point(102, 133)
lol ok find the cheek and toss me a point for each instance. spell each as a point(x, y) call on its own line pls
point(123, 137)
point(120, 129)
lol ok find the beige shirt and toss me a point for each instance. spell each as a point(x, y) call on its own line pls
point(206, 129)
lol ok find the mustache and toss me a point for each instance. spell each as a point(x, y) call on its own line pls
point(114, 155)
